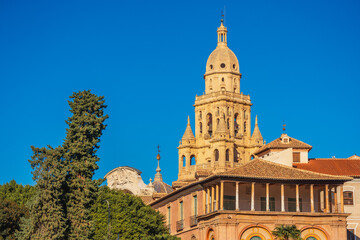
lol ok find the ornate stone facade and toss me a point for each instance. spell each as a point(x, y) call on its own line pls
point(128, 179)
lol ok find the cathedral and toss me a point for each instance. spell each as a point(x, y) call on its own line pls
point(232, 185)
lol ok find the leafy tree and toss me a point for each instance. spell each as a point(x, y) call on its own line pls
point(287, 232)
point(47, 208)
point(10, 214)
point(81, 144)
point(130, 218)
point(17, 192)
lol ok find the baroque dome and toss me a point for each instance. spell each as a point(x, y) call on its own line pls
point(222, 59)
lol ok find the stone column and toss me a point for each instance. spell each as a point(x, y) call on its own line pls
point(341, 199)
point(204, 200)
point(188, 161)
point(222, 195)
point(222, 153)
point(252, 196)
point(297, 198)
point(312, 198)
point(336, 200)
point(282, 198)
point(237, 196)
point(217, 197)
point(212, 198)
point(208, 200)
point(327, 198)
point(267, 197)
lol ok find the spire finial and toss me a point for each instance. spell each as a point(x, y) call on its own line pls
point(188, 120)
point(158, 175)
point(256, 120)
point(222, 33)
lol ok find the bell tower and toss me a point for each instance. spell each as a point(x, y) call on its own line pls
point(222, 120)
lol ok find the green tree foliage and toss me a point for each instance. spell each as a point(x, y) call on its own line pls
point(12, 207)
point(10, 215)
point(287, 232)
point(130, 218)
point(17, 192)
point(81, 144)
point(161, 237)
point(47, 208)
point(65, 190)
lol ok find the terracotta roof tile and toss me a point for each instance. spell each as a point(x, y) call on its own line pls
point(335, 166)
point(261, 169)
point(147, 199)
point(278, 144)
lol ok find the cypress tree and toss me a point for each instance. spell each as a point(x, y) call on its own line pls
point(85, 127)
point(47, 208)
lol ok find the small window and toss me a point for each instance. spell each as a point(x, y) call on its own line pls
point(169, 215)
point(200, 127)
point(211, 66)
point(181, 211)
point(216, 155)
point(192, 160)
point(234, 66)
point(195, 206)
point(296, 157)
point(222, 79)
point(227, 155)
point(222, 65)
point(348, 198)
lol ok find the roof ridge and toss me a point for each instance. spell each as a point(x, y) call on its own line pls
point(303, 170)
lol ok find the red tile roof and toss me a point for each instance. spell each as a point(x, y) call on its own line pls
point(333, 166)
point(279, 144)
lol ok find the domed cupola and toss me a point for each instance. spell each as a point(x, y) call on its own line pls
point(222, 67)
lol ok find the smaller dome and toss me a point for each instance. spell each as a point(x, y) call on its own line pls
point(161, 187)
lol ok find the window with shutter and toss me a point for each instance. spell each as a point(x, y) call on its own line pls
point(296, 157)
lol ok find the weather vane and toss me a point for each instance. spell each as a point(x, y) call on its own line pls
point(284, 125)
point(158, 147)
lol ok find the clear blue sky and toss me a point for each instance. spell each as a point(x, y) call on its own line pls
point(300, 62)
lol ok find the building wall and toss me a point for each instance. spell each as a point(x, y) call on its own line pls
point(354, 218)
point(230, 224)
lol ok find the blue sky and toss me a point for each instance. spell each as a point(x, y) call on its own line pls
point(300, 62)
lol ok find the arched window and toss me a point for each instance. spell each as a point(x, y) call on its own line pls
point(236, 126)
point(192, 160)
point(201, 127)
point(183, 161)
point(228, 123)
point(236, 155)
point(218, 111)
point(209, 124)
point(244, 126)
point(217, 122)
point(227, 155)
point(200, 114)
point(348, 198)
point(216, 155)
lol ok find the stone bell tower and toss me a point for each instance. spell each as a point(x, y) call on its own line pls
point(222, 120)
